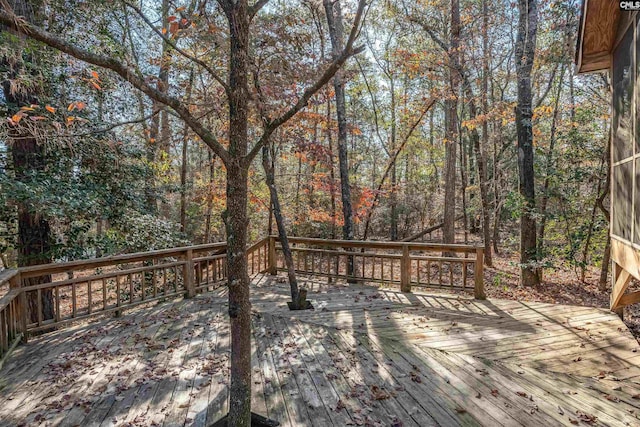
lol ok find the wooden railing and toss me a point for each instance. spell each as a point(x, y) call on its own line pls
point(405, 264)
point(12, 318)
point(44, 297)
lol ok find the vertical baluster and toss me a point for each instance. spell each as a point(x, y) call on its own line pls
point(153, 280)
point(104, 293)
point(440, 272)
point(164, 281)
point(4, 333)
point(451, 273)
point(39, 296)
point(57, 313)
point(130, 288)
point(89, 297)
point(117, 291)
point(143, 279)
point(464, 274)
point(418, 269)
point(73, 300)
point(392, 275)
point(428, 272)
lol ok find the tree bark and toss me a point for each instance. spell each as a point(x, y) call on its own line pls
point(524, 56)
point(29, 157)
point(334, 21)
point(235, 216)
point(159, 129)
point(268, 165)
point(451, 119)
point(393, 234)
point(481, 149)
point(549, 169)
point(183, 167)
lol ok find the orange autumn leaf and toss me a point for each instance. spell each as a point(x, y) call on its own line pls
point(16, 118)
point(50, 109)
point(95, 75)
point(96, 85)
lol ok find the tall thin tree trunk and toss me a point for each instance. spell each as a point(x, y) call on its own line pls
point(451, 119)
point(463, 186)
point(604, 271)
point(210, 194)
point(183, 167)
point(268, 164)
point(393, 234)
point(481, 149)
point(587, 243)
point(158, 132)
point(524, 53)
point(336, 30)
point(549, 169)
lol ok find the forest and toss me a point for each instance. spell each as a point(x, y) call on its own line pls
point(133, 126)
point(120, 173)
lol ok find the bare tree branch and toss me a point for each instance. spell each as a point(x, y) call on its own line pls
point(327, 75)
point(253, 10)
point(170, 42)
point(8, 18)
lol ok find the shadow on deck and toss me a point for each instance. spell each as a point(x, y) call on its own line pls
point(365, 356)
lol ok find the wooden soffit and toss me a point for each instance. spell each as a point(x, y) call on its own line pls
point(597, 34)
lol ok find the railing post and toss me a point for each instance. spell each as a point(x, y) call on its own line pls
point(272, 256)
point(478, 275)
point(187, 274)
point(405, 270)
point(23, 309)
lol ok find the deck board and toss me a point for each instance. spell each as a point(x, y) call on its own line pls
point(365, 355)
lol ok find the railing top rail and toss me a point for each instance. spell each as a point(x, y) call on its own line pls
point(385, 245)
point(8, 297)
point(60, 267)
point(7, 275)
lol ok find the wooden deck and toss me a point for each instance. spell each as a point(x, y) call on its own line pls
point(364, 356)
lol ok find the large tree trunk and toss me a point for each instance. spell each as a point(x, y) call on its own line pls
point(525, 51)
point(451, 119)
point(236, 218)
point(336, 30)
point(28, 155)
